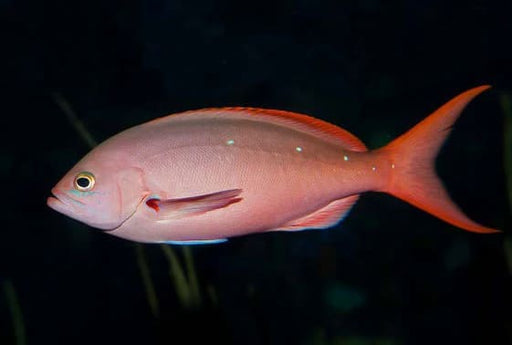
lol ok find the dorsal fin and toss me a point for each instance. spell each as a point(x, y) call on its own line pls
point(301, 122)
point(337, 133)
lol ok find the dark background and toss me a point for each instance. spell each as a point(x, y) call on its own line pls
point(389, 274)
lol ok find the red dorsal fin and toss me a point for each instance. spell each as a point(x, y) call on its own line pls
point(301, 122)
point(349, 140)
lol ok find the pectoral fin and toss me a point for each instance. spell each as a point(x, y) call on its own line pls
point(195, 205)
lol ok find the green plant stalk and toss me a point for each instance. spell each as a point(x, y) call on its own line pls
point(17, 316)
point(178, 276)
point(146, 278)
point(506, 104)
point(212, 294)
point(192, 277)
point(74, 120)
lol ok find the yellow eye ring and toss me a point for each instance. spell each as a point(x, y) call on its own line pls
point(84, 181)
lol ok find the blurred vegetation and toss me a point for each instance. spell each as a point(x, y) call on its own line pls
point(506, 104)
point(185, 281)
point(343, 298)
point(146, 279)
point(12, 300)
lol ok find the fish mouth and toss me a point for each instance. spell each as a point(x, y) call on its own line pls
point(61, 202)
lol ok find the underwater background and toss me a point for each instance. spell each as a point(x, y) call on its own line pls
point(389, 274)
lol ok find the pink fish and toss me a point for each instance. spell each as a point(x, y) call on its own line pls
point(203, 176)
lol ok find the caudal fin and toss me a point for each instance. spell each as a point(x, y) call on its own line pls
point(413, 177)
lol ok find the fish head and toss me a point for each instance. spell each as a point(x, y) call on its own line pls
point(102, 194)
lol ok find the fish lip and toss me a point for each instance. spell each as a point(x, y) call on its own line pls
point(64, 197)
point(61, 202)
point(54, 202)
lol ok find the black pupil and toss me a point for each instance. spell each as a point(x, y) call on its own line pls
point(83, 182)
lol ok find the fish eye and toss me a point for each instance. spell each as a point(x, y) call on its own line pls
point(84, 181)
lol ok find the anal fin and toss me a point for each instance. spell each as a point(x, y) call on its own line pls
point(325, 217)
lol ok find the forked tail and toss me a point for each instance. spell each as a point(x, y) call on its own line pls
point(413, 177)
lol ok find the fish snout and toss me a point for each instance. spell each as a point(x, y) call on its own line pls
point(54, 201)
point(61, 202)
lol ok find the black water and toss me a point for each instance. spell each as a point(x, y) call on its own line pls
point(390, 274)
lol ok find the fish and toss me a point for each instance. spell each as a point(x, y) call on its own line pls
point(203, 176)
